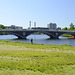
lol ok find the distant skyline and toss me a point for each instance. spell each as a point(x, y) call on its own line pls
point(43, 12)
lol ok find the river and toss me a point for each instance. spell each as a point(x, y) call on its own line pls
point(40, 38)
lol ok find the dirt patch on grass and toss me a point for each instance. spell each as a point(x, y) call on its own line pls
point(12, 47)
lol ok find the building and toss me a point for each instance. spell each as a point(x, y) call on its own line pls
point(13, 27)
point(52, 26)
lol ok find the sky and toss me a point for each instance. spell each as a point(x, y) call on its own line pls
point(43, 12)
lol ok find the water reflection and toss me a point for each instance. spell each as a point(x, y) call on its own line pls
point(42, 39)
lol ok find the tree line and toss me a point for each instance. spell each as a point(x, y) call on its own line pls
point(71, 27)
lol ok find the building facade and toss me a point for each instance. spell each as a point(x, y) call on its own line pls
point(13, 27)
point(52, 26)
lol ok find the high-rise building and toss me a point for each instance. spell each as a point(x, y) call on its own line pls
point(52, 26)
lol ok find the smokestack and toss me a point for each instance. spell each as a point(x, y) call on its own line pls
point(34, 24)
point(30, 24)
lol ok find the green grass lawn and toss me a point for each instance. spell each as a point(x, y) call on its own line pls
point(19, 58)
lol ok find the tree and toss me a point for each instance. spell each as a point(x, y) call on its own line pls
point(71, 26)
point(2, 26)
point(64, 28)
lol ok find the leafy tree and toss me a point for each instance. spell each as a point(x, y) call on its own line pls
point(71, 26)
point(2, 26)
point(64, 28)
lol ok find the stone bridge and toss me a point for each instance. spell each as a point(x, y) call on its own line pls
point(53, 34)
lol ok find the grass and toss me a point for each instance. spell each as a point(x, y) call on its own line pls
point(18, 72)
point(66, 35)
point(19, 58)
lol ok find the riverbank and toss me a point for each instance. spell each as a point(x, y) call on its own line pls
point(36, 59)
point(68, 35)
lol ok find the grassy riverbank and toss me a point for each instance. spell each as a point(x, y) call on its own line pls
point(66, 35)
point(19, 58)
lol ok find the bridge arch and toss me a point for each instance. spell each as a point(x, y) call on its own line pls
point(16, 34)
point(44, 32)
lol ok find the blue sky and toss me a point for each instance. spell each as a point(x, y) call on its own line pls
point(20, 12)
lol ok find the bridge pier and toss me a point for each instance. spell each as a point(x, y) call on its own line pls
point(51, 37)
point(21, 38)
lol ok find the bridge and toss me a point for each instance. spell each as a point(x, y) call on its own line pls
point(53, 34)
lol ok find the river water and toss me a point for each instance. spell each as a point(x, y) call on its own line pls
point(40, 38)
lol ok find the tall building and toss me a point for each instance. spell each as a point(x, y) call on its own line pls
point(52, 26)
